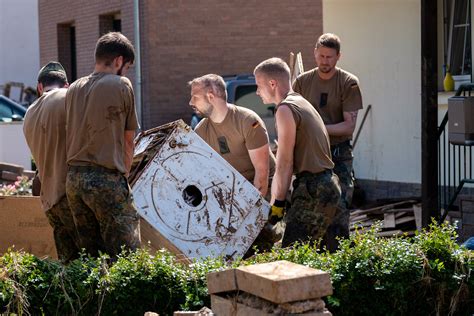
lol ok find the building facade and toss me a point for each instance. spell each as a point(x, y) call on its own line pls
point(179, 41)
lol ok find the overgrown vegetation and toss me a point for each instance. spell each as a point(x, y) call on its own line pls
point(428, 274)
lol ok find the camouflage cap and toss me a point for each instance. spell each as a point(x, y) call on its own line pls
point(52, 66)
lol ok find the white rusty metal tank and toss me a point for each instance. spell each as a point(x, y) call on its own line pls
point(192, 197)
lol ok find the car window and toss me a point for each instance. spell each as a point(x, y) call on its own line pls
point(5, 111)
point(246, 96)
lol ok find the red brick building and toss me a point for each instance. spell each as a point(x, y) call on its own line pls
point(179, 40)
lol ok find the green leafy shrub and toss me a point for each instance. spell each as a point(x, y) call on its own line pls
point(428, 274)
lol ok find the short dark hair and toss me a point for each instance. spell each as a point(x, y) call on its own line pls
point(113, 45)
point(53, 78)
point(329, 40)
point(274, 68)
point(211, 82)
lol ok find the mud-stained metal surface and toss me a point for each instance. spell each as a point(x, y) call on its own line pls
point(192, 196)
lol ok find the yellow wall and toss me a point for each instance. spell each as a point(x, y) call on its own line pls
point(381, 44)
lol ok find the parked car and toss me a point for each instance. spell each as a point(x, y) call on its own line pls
point(10, 110)
point(242, 91)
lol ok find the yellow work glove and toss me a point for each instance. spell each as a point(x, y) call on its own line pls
point(276, 212)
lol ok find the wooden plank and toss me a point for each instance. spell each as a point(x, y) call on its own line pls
point(363, 224)
point(405, 219)
point(389, 220)
point(390, 233)
point(396, 210)
point(383, 208)
point(358, 218)
point(417, 212)
point(400, 214)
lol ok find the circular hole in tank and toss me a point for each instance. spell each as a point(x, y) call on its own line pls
point(192, 195)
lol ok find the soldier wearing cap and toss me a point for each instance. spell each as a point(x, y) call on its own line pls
point(101, 124)
point(336, 95)
point(45, 132)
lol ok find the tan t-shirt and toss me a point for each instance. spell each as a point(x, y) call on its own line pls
point(312, 151)
point(240, 131)
point(45, 132)
point(99, 109)
point(331, 97)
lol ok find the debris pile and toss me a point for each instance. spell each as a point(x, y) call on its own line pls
point(403, 217)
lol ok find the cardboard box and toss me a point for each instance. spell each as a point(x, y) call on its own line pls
point(24, 225)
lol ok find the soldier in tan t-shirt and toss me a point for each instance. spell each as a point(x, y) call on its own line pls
point(101, 124)
point(303, 150)
point(45, 132)
point(237, 134)
point(335, 94)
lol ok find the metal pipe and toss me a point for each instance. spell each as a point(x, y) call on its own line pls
point(138, 68)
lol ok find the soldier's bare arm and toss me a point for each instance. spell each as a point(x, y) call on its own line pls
point(284, 161)
point(128, 150)
point(344, 128)
point(260, 161)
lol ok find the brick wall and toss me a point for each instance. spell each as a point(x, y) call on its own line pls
point(182, 39)
point(84, 15)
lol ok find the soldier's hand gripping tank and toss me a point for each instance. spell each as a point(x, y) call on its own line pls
point(335, 94)
point(101, 124)
point(303, 149)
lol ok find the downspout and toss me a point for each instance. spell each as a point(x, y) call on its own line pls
point(138, 68)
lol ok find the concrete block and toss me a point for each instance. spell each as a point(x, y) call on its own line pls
point(278, 282)
point(222, 306)
point(283, 281)
point(221, 281)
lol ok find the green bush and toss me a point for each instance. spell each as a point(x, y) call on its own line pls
point(429, 274)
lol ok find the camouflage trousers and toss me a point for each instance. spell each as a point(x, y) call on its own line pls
point(342, 157)
point(102, 205)
point(313, 204)
point(64, 231)
point(269, 234)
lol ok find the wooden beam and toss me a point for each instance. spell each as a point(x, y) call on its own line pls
point(429, 111)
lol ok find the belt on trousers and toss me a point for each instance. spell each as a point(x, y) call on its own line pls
point(306, 174)
point(335, 148)
point(93, 168)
